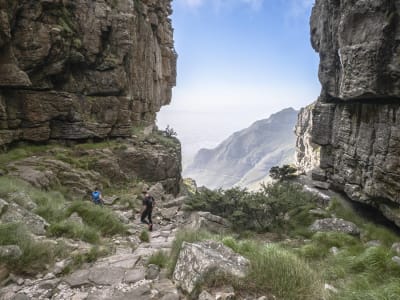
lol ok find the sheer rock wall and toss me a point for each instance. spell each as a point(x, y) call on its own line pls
point(356, 120)
point(79, 69)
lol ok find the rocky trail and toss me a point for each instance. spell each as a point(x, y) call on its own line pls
point(124, 274)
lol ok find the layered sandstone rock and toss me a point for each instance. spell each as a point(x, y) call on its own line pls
point(83, 69)
point(356, 121)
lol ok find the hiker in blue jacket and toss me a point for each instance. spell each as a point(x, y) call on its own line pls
point(96, 197)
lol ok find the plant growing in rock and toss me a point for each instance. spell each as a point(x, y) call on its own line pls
point(170, 132)
point(144, 236)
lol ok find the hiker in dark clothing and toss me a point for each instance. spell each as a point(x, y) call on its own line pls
point(148, 205)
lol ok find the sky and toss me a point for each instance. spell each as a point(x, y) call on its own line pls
point(239, 61)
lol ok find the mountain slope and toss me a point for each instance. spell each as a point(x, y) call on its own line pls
point(247, 155)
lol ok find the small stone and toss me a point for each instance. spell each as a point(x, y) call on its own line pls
point(330, 288)
point(204, 295)
point(374, 243)
point(334, 250)
point(396, 248)
point(152, 272)
point(396, 259)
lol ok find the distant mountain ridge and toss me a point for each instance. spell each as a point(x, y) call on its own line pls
point(246, 156)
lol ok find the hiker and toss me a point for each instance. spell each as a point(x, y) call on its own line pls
point(148, 205)
point(96, 197)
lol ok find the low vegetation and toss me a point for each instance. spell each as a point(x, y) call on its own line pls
point(160, 258)
point(275, 207)
point(298, 268)
point(35, 255)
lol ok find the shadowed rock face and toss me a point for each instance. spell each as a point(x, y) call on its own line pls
point(355, 124)
point(81, 69)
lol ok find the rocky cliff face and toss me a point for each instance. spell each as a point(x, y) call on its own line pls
point(356, 120)
point(82, 69)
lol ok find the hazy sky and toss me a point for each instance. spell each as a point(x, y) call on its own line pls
point(239, 61)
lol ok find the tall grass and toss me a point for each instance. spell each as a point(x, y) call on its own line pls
point(160, 258)
point(277, 270)
point(75, 231)
point(99, 217)
point(35, 255)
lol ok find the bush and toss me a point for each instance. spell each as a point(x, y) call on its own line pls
point(285, 172)
point(35, 255)
point(99, 217)
point(144, 236)
point(275, 206)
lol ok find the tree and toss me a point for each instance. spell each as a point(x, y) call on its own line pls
point(286, 172)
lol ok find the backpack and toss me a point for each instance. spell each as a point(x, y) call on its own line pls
point(96, 196)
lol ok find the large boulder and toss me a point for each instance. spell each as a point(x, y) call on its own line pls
point(196, 260)
point(207, 221)
point(335, 225)
point(17, 214)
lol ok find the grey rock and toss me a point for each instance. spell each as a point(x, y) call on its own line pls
point(204, 295)
point(106, 276)
point(75, 218)
point(3, 206)
point(20, 296)
point(196, 259)
point(10, 252)
point(396, 259)
point(78, 279)
point(396, 248)
point(152, 272)
point(208, 221)
point(374, 243)
point(16, 213)
point(157, 191)
point(354, 126)
point(334, 250)
point(108, 92)
point(336, 225)
point(135, 275)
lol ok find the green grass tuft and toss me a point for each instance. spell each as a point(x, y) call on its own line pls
point(160, 258)
point(99, 217)
point(144, 236)
point(35, 255)
point(74, 230)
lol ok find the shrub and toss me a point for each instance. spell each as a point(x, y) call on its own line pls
point(144, 236)
point(98, 217)
point(285, 172)
point(263, 210)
